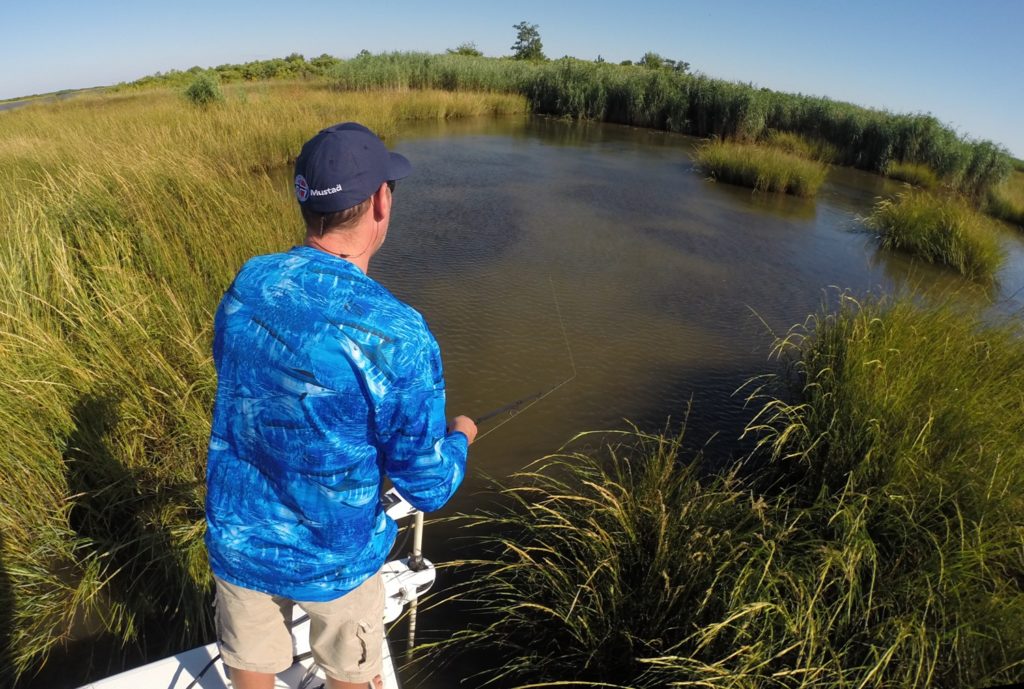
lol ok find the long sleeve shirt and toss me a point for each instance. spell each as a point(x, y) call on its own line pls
point(325, 383)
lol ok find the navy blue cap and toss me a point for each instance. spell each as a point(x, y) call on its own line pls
point(342, 166)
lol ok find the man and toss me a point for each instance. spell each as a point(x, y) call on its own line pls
point(326, 382)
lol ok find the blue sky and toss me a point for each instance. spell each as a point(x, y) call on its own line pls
point(962, 61)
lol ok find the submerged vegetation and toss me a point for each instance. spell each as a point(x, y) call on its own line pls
point(126, 217)
point(938, 229)
point(668, 99)
point(880, 543)
point(762, 168)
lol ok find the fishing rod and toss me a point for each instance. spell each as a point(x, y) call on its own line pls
point(524, 403)
point(512, 408)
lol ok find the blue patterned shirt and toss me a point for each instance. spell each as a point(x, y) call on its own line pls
point(325, 383)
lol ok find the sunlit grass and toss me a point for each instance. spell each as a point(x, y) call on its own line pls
point(763, 168)
point(912, 173)
point(125, 217)
point(805, 147)
point(1006, 201)
point(939, 229)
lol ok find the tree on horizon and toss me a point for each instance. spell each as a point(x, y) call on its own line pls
point(528, 45)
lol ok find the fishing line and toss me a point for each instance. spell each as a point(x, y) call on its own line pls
point(515, 408)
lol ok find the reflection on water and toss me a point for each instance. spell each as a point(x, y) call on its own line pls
point(666, 280)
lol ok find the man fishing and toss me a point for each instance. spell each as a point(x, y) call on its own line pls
point(326, 382)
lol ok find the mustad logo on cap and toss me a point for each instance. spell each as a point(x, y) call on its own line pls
point(325, 192)
point(303, 192)
point(301, 188)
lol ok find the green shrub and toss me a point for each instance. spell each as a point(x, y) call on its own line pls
point(940, 230)
point(204, 90)
point(762, 168)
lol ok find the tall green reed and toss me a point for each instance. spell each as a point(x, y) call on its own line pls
point(694, 104)
point(662, 99)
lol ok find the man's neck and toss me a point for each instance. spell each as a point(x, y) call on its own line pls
point(332, 246)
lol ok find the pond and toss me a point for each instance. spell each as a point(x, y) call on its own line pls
point(669, 286)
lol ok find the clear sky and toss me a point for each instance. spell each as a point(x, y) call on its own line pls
point(961, 60)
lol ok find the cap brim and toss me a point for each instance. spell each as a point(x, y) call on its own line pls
point(398, 166)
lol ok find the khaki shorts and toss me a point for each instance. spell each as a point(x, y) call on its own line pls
point(346, 634)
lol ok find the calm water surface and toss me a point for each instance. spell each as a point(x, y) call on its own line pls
point(669, 285)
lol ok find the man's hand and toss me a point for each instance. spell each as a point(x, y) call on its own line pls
point(465, 425)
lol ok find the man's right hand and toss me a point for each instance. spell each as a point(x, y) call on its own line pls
point(465, 425)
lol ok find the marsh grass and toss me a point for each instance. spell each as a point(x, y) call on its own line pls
point(912, 173)
point(1006, 201)
point(879, 543)
point(697, 105)
point(906, 415)
point(657, 98)
point(939, 229)
point(762, 168)
point(805, 147)
point(125, 218)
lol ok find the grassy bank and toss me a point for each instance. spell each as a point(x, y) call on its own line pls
point(943, 230)
point(1006, 201)
point(664, 99)
point(805, 147)
point(912, 173)
point(763, 168)
point(882, 546)
point(125, 218)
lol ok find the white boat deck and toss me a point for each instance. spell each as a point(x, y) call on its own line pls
point(201, 668)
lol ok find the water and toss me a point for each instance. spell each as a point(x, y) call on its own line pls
point(670, 288)
point(670, 285)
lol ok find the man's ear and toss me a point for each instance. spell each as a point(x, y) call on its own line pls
point(381, 202)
